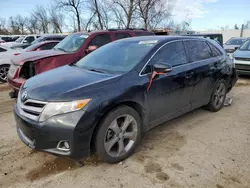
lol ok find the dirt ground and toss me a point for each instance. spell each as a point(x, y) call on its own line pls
point(199, 149)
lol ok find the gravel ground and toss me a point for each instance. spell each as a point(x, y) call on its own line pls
point(199, 149)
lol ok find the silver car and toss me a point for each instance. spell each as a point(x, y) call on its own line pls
point(232, 44)
point(241, 59)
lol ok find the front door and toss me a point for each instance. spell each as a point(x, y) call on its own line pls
point(169, 94)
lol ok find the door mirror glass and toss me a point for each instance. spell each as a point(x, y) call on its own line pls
point(162, 68)
point(91, 49)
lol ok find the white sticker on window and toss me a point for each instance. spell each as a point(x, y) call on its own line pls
point(148, 42)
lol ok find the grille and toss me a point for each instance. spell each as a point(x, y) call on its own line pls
point(230, 50)
point(242, 67)
point(30, 109)
point(242, 59)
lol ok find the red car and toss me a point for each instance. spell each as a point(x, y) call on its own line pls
point(70, 50)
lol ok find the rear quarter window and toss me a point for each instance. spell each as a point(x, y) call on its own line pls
point(215, 51)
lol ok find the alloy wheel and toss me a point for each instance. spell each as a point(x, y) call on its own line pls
point(4, 72)
point(121, 136)
point(219, 95)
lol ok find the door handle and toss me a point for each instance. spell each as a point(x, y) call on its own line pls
point(189, 74)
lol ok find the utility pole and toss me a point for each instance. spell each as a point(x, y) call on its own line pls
point(241, 31)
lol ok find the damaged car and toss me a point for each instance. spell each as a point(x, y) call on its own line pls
point(70, 50)
point(103, 103)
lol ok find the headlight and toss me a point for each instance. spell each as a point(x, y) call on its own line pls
point(55, 108)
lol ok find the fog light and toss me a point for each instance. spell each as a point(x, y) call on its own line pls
point(63, 145)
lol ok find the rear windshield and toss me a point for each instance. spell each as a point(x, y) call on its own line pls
point(235, 42)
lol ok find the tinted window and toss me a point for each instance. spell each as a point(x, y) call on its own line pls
point(143, 33)
point(30, 39)
point(100, 40)
point(2, 50)
point(48, 46)
point(198, 50)
point(215, 50)
point(172, 53)
point(122, 35)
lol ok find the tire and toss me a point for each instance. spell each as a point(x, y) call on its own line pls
point(4, 72)
point(113, 130)
point(218, 96)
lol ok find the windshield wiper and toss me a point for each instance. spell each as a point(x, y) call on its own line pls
point(95, 70)
point(60, 49)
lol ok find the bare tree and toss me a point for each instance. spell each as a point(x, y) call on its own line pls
point(15, 29)
point(56, 19)
point(153, 12)
point(40, 13)
point(21, 22)
point(3, 29)
point(75, 6)
point(32, 24)
point(124, 12)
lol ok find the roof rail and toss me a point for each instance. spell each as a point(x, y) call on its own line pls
point(113, 29)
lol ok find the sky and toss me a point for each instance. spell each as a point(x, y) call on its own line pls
point(203, 14)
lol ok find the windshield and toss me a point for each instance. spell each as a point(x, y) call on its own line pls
point(37, 40)
point(235, 42)
point(20, 39)
point(116, 57)
point(71, 43)
point(31, 47)
point(245, 46)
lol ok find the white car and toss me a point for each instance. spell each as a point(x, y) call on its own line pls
point(28, 39)
point(6, 54)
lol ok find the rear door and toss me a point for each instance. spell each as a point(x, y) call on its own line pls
point(204, 64)
point(170, 94)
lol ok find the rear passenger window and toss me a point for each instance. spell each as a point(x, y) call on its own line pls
point(48, 46)
point(122, 35)
point(215, 51)
point(198, 50)
point(100, 40)
point(172, 53)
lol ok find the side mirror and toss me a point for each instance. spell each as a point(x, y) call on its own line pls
point(38, 49)
point(25, 41)
point(236, 48)
point(162, 68)
point(91, 49)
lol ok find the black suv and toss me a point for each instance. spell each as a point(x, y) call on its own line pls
point(104, 102)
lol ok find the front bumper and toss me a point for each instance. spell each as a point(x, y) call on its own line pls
point(47, 135)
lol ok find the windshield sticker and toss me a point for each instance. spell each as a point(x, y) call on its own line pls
point(148, 42)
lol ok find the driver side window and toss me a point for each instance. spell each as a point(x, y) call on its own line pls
point(173, 53)
point(100, 40)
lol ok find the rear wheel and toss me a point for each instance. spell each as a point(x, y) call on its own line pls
point(4, 69)
point(118, 134)
point(218, 96)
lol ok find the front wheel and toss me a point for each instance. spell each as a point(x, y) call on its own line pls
point(4, 69)
point(118, 134)
point(218, 96)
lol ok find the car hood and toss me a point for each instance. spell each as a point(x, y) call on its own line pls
point(35, 55)
point(9, 44)
point(230, 46)
point(67, 83)
point(242, 53)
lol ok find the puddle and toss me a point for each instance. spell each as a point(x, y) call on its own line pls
point(58, 165)
point(51, 167)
